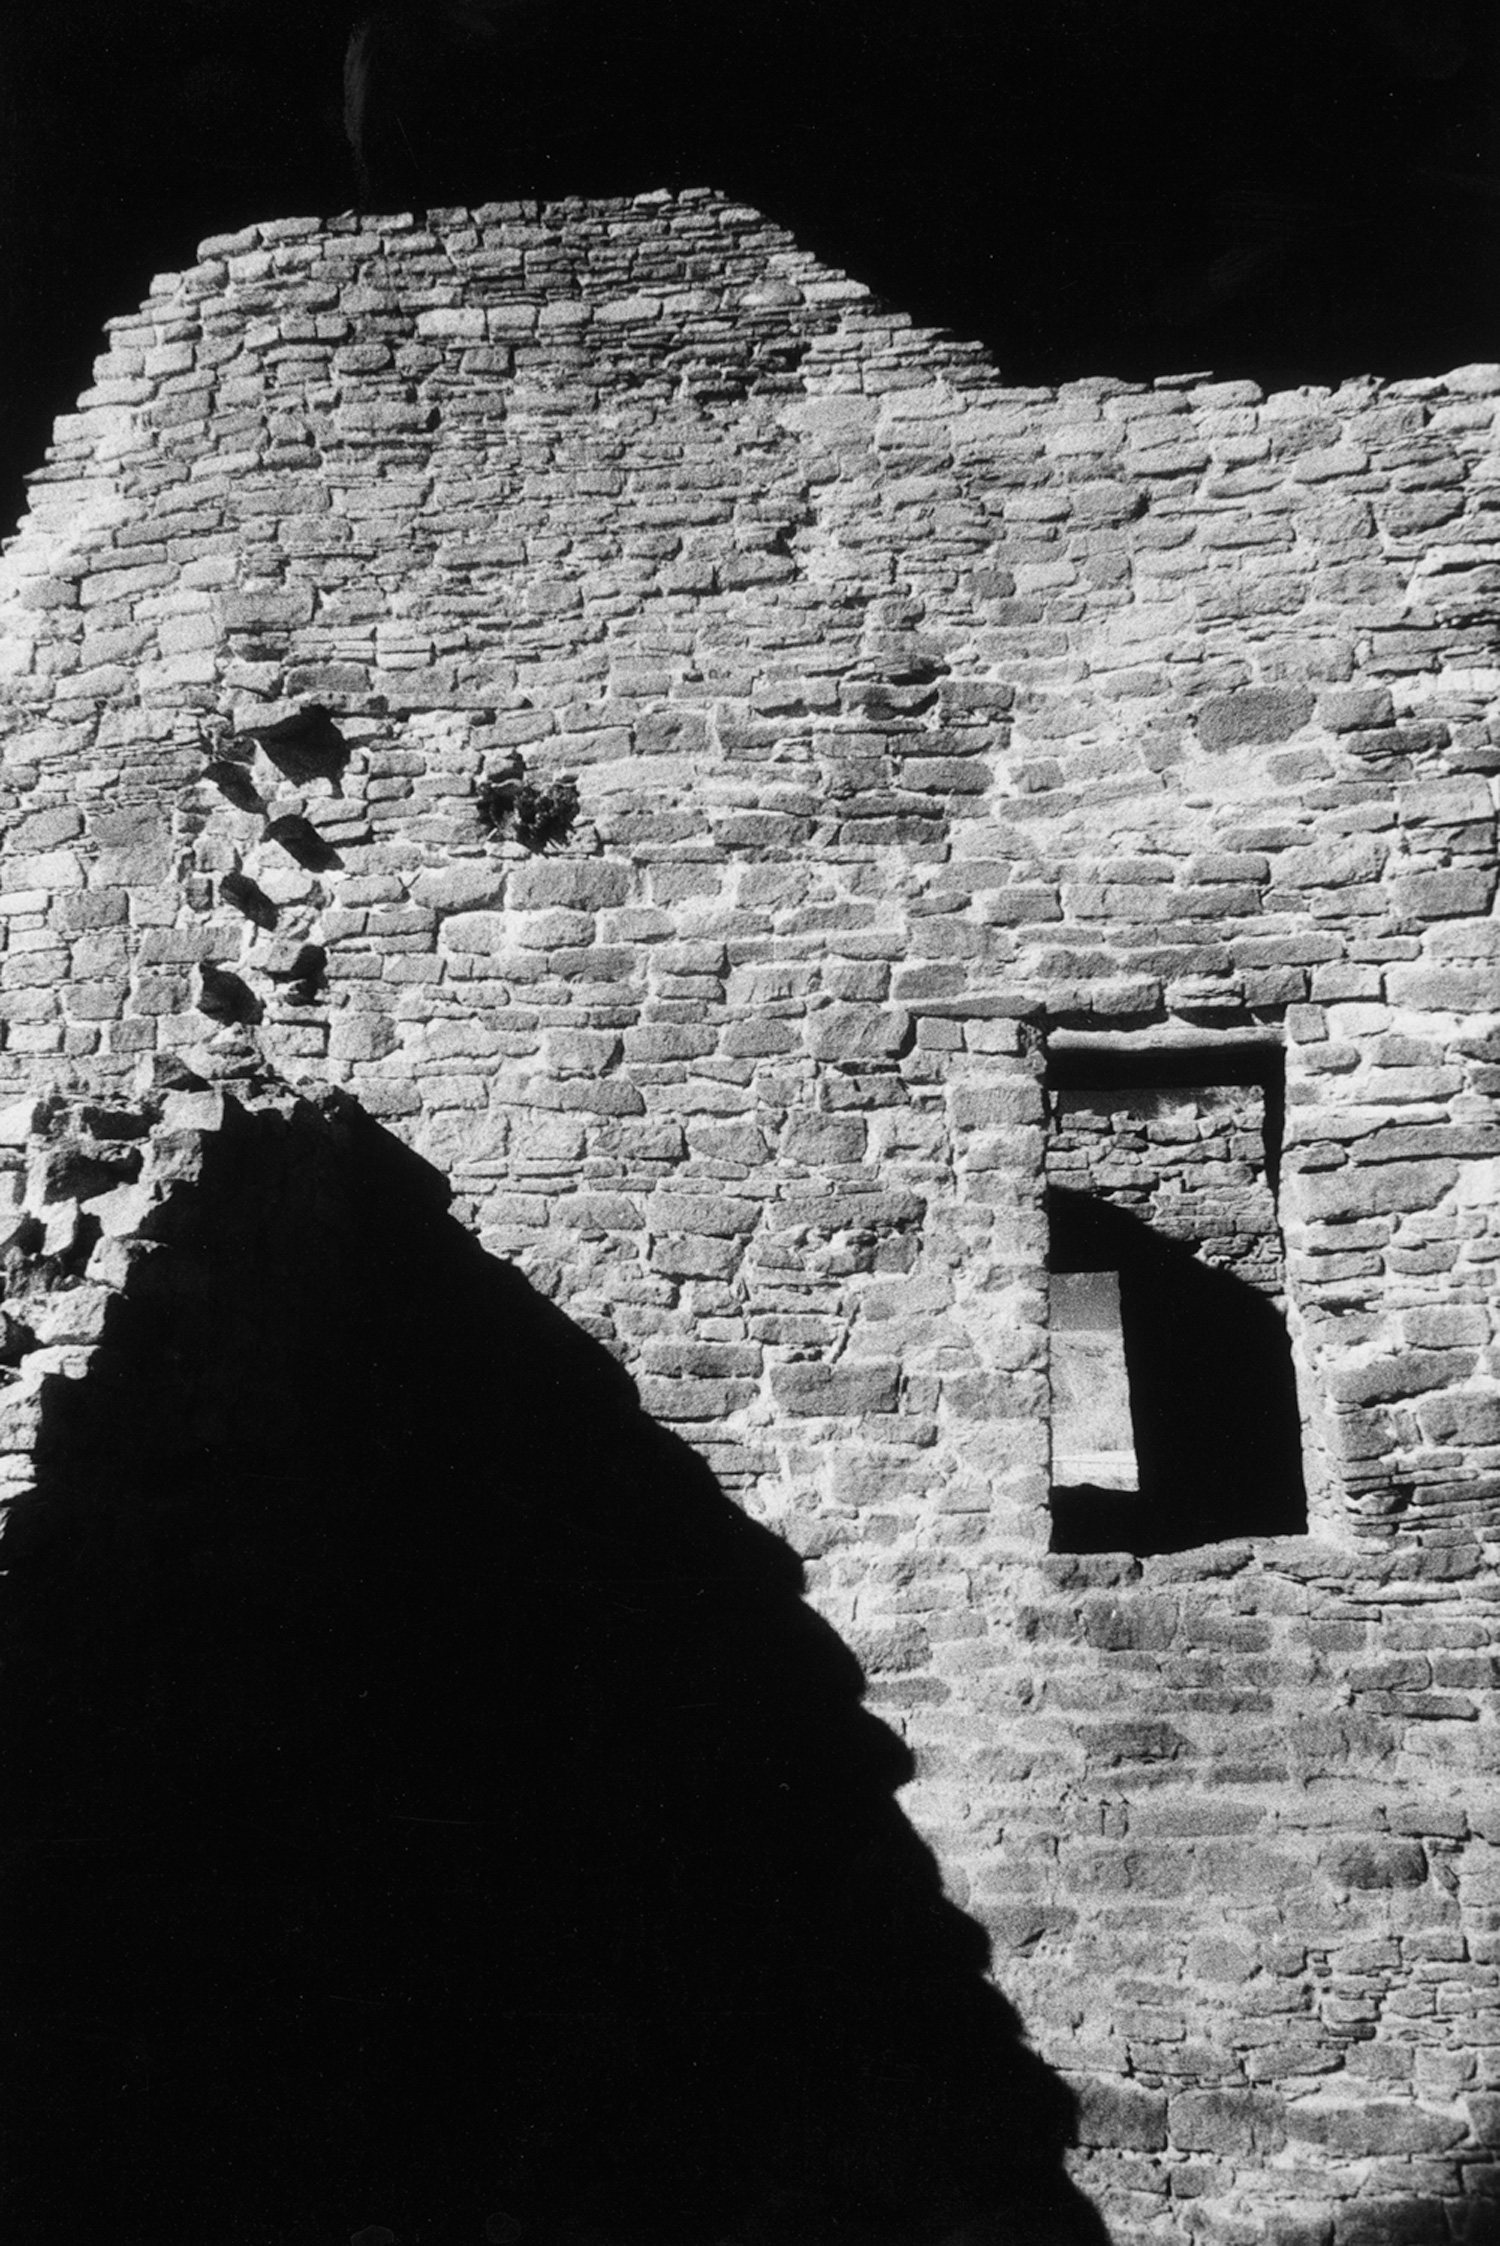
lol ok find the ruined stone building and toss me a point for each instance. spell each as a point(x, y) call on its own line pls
point(1002, 1051)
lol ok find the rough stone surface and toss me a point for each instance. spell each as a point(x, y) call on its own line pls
point(914, 720)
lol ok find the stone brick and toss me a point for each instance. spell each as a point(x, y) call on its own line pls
point(996, 1105)
point(1251, 715)
point(581, 1052)
point(696, 1256)
point(1381, 1378)
point(1232, 2123)
point(460, 888)
point(855, 1033)
point(1335, 863)
point(1147, 1740)
point(1393, 2222)
point(1350, 709)
point(267, 607)
point(1460, 1418)
point(1459, 990)
point(578, 884)
point(1121, 2116)
point(44, 830)
point(1355, 2132)
point(1376, 1863)
point(693, 1399)
point(1452, 892)
point(820, 1391)
point(711, 1214)
point(361, 1037)
point(1370, 1190)
point(480, 933)
point(825, 1138)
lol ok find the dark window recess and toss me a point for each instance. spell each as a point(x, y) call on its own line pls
point(1175, 1418)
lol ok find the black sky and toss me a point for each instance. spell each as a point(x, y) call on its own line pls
point(1298, 190)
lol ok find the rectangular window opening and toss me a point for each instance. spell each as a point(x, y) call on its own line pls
point(1174, 1409)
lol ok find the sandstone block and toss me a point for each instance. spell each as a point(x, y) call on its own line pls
point(584, 885)
point(1333, 864)
point(459, 1139)
point(857, 1210)
point(693, 1399)
point(465, 324)
point(1232, 2123)
point(653, 1042)
point(1146, 1740)
point(462, 887)
point(1454, 892)
point(1016, 905)
point(580, 1052)
point(826, 1391)
point(1350, 709)
point(267, 608)
point(1251, 715)
point(1382, 2127)
point(596, 1212)
point(1473, 1418)
point(1323, 462)
point(1458, 990)
point(480, 934)
point(717, 1216)
point(1456, 802)
point(1412, 1142)
point(1392, 2222)
point(842, 419)
point(588, 1095)
point(818, 1139)
point(1374, 1189)
point(695, 1256)
point(1138, 1625)
point(996, 1105)
point(44, 830)
point(993, 1395)
point(758, 1039)
point(1377, 1863)
point(855, 1033)
point(703, 1360)
point(1386, 1378)
point(1305, 2225)
point(1445, 1326)
point(361, 1037)
point(1120, 2116)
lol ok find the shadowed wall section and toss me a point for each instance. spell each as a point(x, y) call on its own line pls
point(427, 1796)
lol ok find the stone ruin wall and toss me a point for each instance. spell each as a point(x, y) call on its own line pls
point(922, 726)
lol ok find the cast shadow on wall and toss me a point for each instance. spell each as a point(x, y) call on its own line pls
point(1213, 1397)
point(429, 1800)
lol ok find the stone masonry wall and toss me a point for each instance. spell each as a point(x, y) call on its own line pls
point(913, 718)
point(1190, 1164)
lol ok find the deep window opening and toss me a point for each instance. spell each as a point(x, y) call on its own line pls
point(1174, 1405)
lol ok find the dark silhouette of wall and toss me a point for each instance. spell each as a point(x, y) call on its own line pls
point(428, 1797)
point(1212, 1393)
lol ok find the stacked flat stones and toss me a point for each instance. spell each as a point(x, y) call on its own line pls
point(1192, 1165)
point(911, 715)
